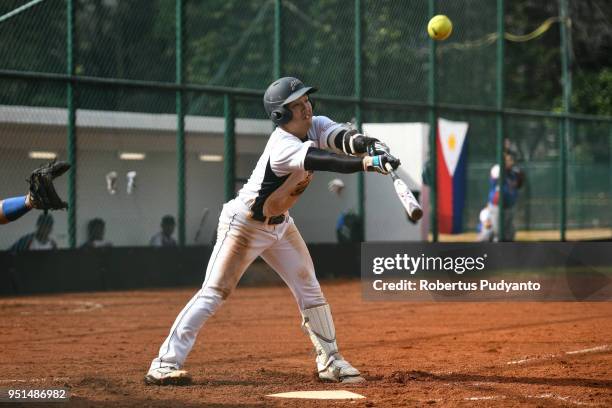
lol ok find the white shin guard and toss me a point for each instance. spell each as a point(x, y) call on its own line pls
point(318, 323)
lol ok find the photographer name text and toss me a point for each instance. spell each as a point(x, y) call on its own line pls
point(438, 285)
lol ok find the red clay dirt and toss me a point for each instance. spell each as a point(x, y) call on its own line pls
point(413, 354)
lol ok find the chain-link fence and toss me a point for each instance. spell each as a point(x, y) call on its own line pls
point(134, 71)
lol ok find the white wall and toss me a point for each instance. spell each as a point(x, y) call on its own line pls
point(386, 218)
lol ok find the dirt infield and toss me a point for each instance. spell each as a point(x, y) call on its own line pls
point(424, 354)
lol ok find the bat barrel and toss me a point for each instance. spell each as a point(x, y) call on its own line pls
point(417, 214)
point(412, 206)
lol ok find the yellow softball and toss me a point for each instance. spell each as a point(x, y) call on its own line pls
point(440, 27)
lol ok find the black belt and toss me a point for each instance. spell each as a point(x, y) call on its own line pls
point(277, 219)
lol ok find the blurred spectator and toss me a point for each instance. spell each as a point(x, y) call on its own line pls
point(38, 240)
point(348, 227)
point(485, 226)
point(95, 234)
point(513, 181)
point(164, 237)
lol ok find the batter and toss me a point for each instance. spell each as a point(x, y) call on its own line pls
point(257, 223)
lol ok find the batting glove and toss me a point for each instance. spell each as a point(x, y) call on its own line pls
point(379, 162)
point(375, 147)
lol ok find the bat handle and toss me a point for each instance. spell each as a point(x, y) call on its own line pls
point(391, 171)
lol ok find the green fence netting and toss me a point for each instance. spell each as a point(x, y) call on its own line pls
point(125, 60)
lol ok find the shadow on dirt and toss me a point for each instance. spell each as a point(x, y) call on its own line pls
point(153, 403)
point(403, 377)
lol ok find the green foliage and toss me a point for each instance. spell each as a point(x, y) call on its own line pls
point(533, 68)
point(34, 40)
point(231, 42)
point(593, 92)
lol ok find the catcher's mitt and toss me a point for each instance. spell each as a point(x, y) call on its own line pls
point(42, 192)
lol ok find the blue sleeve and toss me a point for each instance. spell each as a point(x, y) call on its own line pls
point(14, 207)
point(340, 222)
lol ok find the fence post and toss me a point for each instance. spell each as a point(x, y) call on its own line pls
point(278, 40)
point(499, 119)
point(610, 158)
point(358, 113)
point(566, 74)
point(180, 124)
point(71, 125)
point(562, 177)
point(229, 147)
point(433, 130)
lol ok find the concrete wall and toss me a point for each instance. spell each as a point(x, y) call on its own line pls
point(134, 268)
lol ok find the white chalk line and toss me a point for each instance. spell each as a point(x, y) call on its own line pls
point(486, 398)
point(35, 380)
point(540, 396)
point(591, 350)
point(529, 360)
point(560, 398)
point(78, 307)
point(567, 400)
point(597, 349)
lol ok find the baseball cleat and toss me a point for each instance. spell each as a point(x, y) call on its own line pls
point(340, 370)
point(167, 376)
point(353, 380)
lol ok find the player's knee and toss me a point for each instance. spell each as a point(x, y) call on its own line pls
point(306, 274)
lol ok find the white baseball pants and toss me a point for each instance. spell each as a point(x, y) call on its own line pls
point(240, 240)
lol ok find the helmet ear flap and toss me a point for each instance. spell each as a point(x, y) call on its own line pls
point(281, 115)
point(276, 115)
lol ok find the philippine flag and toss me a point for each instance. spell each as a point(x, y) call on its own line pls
point(451, 162)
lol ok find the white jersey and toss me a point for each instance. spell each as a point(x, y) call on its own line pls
point(279, 177)
point(37, 245)
point(161, 240)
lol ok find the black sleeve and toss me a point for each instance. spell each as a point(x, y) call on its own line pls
point(322, 160)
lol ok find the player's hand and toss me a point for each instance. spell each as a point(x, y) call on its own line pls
point(379, 162)
point(375, 147)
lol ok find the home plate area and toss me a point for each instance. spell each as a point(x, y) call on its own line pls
point(321, 395)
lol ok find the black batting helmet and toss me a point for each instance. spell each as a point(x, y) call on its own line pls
point(280, 93)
